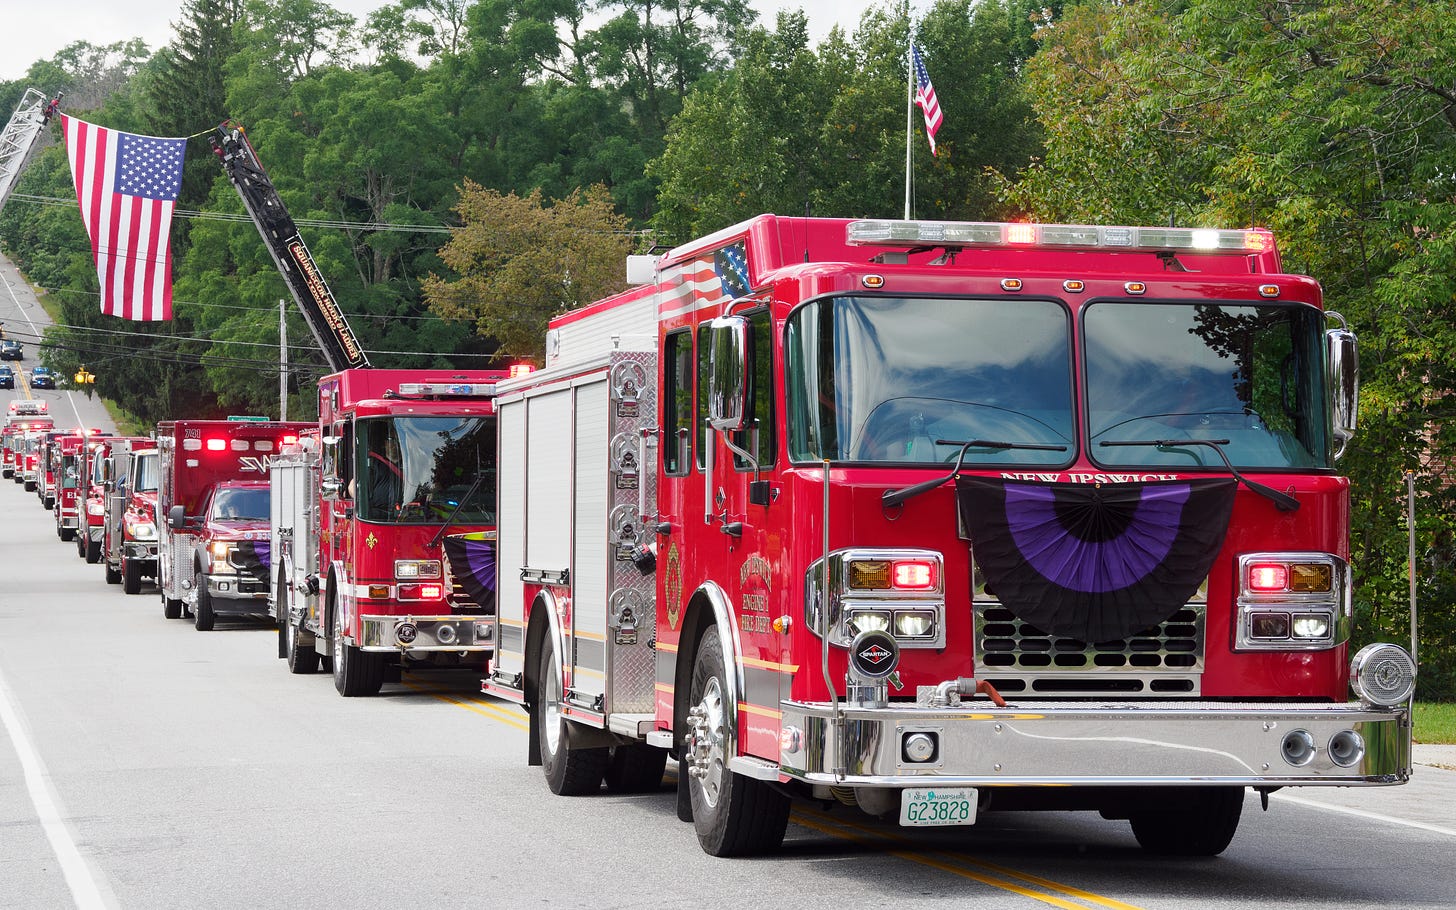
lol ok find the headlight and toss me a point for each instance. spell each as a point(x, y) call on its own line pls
point(95, 508)
point(1383, 675)
point(144, 530)
point(219, 550)
point(914, 623)
point(898, 591)
point(416, 568)
point(869, 622)
point(1292, 602)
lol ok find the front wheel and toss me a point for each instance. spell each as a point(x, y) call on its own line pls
point(202, 615)
point(93, 551)
point(131, 576)
point(1200, 822)
point(356, 672)
point(733, 815)
point(569, 771)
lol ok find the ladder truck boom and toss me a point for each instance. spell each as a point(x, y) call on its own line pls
point(305, 282)
point(18, 142)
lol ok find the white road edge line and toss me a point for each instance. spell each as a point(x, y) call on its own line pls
point(1361, 813)
point(79, 877)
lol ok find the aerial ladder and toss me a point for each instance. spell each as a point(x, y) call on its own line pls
point(305, 282)
point(21, 137)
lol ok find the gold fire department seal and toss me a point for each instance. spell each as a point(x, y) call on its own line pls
point(673, 581)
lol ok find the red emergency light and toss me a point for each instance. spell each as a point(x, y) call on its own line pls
point(216, 445)
point(521, 369)
point(288, 440)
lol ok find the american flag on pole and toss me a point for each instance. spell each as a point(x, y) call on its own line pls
point(127, 186)
point(925, 98)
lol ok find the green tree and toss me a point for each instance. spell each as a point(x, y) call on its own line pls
point(518, 261)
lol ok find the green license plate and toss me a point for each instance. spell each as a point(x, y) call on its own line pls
point(940, 806)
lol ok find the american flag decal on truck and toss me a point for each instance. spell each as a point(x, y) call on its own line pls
point(709, 280)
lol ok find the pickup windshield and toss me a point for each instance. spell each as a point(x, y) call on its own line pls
point(886, 379)
point(1250, 375)
point(417, 470)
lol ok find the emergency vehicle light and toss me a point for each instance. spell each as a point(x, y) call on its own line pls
point(216, 445)
point(1062, 236)
point(452, 389)
point(521, 369)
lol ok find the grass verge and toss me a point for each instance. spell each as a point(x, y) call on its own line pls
point(1435, 722)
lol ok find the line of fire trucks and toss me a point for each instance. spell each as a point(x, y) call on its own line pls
point(927, 519)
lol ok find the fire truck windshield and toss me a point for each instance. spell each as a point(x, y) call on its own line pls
point(889, 379)
point(415, 470)
point(1249, 377)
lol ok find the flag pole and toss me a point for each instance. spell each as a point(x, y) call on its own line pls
point(909, 114)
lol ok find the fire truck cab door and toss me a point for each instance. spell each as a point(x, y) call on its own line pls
point(738, 432)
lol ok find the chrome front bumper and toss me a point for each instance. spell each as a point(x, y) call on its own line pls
point(140, 551)
point(1089, 744)
point(431, 633)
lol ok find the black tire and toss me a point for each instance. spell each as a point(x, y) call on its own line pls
point(356, 673)
point(636, 768)
point(131, 576)
point(80, 539)
point(1200, 822)
point(732, 814)
point(202, 615)
point(301, 658)
point(93, 550)
point(569, 772)
point(113, 576)
point(280, 615)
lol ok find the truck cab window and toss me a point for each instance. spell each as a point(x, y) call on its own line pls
point(758, 435)
point(677, 403)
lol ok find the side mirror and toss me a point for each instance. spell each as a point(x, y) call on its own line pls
point(1343, 356)
point(331, 489)
point(727, 372)
point(177, 518)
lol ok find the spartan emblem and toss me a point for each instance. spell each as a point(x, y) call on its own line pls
point(253, 464)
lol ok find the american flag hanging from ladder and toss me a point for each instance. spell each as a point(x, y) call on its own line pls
point(925, 98)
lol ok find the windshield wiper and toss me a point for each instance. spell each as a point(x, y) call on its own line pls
point(892, 498)
point(1283, 501)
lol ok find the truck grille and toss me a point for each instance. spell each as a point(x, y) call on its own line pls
point(1163, 661)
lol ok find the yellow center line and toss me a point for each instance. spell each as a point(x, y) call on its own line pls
point(483, 708)
point(802, 816)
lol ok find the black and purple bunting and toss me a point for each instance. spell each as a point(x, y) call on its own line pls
point(1094, 562)
point(472, 565)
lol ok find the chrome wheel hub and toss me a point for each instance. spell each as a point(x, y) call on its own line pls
point(707, 743)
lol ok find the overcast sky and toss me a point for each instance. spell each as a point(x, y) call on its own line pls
point(33, 30)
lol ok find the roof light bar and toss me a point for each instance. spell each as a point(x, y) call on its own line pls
point(447, 389)
point(1061, 236)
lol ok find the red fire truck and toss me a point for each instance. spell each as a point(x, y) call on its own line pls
point(24, 415)
point(129, 523)
point(198, 561)
point(935, 519)
point(68, 451)
point(91, 497)
point(382, 521)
